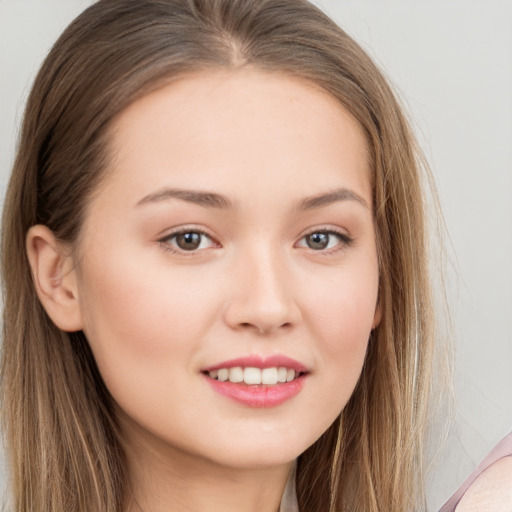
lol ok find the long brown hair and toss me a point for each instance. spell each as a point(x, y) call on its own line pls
point(61, 433)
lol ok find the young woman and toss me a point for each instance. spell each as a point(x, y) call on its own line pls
point(215, 269)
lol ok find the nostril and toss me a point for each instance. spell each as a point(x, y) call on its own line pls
point(263, 329)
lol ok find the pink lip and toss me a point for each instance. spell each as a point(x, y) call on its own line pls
point(260, 362)
point(259, 395)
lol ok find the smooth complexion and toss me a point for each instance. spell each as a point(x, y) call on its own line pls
point(233, 228)
point(492, 490)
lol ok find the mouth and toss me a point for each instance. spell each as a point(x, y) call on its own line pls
point(252, 376)
point(256, 382)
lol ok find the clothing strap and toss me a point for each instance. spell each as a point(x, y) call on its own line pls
point(501, 450)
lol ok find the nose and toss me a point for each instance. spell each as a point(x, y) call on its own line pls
point(262, 298)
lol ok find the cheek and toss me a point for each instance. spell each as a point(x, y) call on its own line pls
point(144, 330)
point(138, 321)
point(342, 315)
point(344, 309)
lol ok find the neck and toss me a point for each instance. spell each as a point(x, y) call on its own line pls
point(166, 479)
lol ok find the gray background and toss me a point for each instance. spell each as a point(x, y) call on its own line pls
point(451, 63)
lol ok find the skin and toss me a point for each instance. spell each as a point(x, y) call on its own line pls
point(157, 315)
point(492, 490)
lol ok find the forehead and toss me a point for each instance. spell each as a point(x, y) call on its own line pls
point(238, 127)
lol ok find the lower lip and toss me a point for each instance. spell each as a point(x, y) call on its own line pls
point(258, 395)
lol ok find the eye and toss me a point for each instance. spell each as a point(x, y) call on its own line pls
point(188, 241)
point(325, 240)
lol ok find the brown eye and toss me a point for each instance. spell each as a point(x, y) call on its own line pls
point(325, 240)
point(189, 241)
point(318, 241)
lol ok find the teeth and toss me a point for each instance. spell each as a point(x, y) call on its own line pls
point(236, 374)
point(269, 376)
point(223, 374)
point(254, 376)
point(281, 374)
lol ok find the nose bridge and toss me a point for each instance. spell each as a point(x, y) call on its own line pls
point(263, 293)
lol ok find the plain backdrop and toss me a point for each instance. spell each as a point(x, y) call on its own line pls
point(450, 62)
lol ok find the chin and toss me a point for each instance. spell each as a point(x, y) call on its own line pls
point(261, 450)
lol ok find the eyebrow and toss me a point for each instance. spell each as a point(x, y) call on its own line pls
point(205, 199)
point(214, 200)
point(340, 194)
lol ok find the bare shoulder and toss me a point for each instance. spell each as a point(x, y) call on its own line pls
point(491, 491)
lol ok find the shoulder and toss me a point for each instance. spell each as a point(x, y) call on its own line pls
point(491, 491)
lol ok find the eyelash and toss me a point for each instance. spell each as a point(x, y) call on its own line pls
point(345, 241)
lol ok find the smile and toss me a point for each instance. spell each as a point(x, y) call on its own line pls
point(257, 382)
point(255, 376)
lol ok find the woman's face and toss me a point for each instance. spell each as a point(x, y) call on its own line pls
point(231, 239)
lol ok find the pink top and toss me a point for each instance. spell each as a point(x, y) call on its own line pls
point(501, 450)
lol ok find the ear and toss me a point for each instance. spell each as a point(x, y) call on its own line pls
point(54, 278)
point(377, 317)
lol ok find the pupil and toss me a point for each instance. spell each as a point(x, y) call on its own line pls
point(318, 240)
point(188, 241)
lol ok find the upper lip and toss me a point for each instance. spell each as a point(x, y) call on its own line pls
point(261, 362)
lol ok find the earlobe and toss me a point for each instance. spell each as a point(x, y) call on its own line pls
point(54, 278)
point(377, 317)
